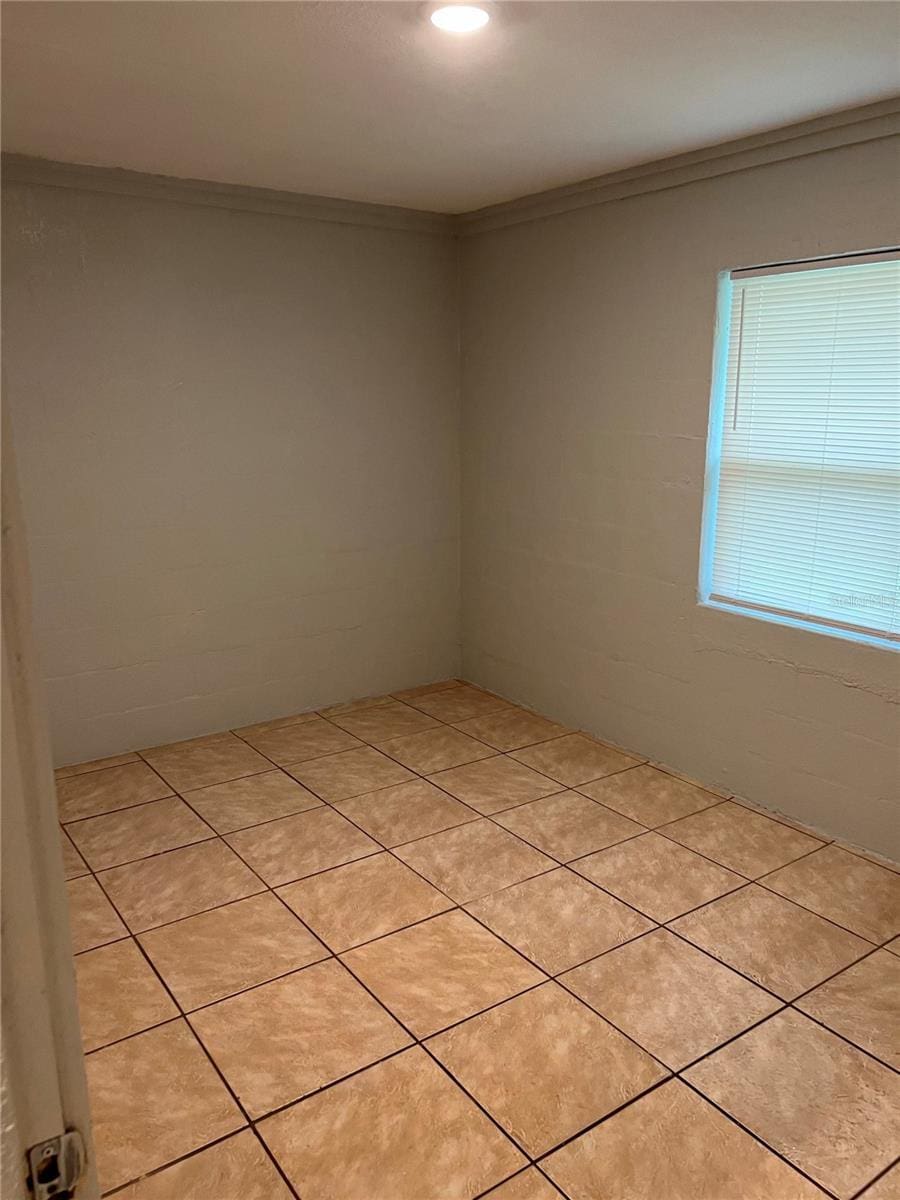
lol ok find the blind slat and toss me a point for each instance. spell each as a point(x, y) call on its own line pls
point(804, 454)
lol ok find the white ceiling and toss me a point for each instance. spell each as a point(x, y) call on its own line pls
point(367, 101)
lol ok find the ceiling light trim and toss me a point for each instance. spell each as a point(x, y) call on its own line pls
point(439, 12)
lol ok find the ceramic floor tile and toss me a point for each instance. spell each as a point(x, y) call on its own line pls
point(288, 1038)
point(512, 728)
point(92, 919)
point(719, 793)
point(673, 1000)
point(773, 815)
point(473, 860)
point(436, 749)
point(251, 801)
point(340, 776)
point(296, 743)
point(847, 889)
point(236, 1169)
point(399, 1131)
point(827, 1107)
point(426, 689)
point(410, 810)
point(863, 1005)
point(154, 1097)
point(289, 1025)
point(204, 761)
point(178, 884)
point(688, 1151)
point(248, 731)
point(131, 833)
point(567, 825)
point(741, 840)
point(657, 876)
point(495, 784)
point(363, 900)
point(214, 954)
point(440, 971)
point(107, 790)
point(74, 865)
point(96, 764)
point(527, 1185)
point(351, 706)
point(385, 723)
point(887, 1187)
point(460, 704)
point(544, 1066)
point(773, 942)
point(575, 759)
point(880, 860)
point(558, 920)
point(118, 994)
point(649, 796)
point(294, 847)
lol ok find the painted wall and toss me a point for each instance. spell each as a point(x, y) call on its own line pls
point(587, 347)
point(237, 437)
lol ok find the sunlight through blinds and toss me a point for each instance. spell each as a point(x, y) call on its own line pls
point(804, 457)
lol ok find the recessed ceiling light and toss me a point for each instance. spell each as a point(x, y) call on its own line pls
point(460, 18)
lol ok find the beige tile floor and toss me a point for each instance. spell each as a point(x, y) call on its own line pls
point(432, 946)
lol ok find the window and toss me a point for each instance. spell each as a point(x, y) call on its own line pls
point(801, 519)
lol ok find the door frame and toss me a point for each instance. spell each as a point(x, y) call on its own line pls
point(43, 1089)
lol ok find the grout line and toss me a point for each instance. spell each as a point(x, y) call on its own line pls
point(791, 1002)
point(272, 1159)
point(709, 954)
point(183, 1017)
point(104, 766)
point(333, 1083)
point(451, 907)
point(176, 920)
point(107, 812)
point(603, 804)
point(861, 1194)
point(494, 1187)
point(886, 865)
point(456, 907)
point(661, 924)
point(381, 1004)
point(224, 833)
point(556, 1188)
point(843, 1037)
point(667, 1078)
point(759, 879)
point(126, 1037)
point(121, 1187)
point(760, 883)
point(417, 1041)
point(756, 1137)
point(130, 862)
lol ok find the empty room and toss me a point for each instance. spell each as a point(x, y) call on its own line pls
point(451, 600)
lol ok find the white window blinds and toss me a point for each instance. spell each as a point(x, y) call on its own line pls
point(802, 513)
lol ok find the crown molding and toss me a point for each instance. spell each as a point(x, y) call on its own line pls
point(847, 128)
point(21, 168)
point(869, 123)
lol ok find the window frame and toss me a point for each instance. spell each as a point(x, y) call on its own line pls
point(706, 598)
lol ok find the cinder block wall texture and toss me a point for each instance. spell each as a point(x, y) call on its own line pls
point(244, 441)
point(237, 441)
point(587, 350)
